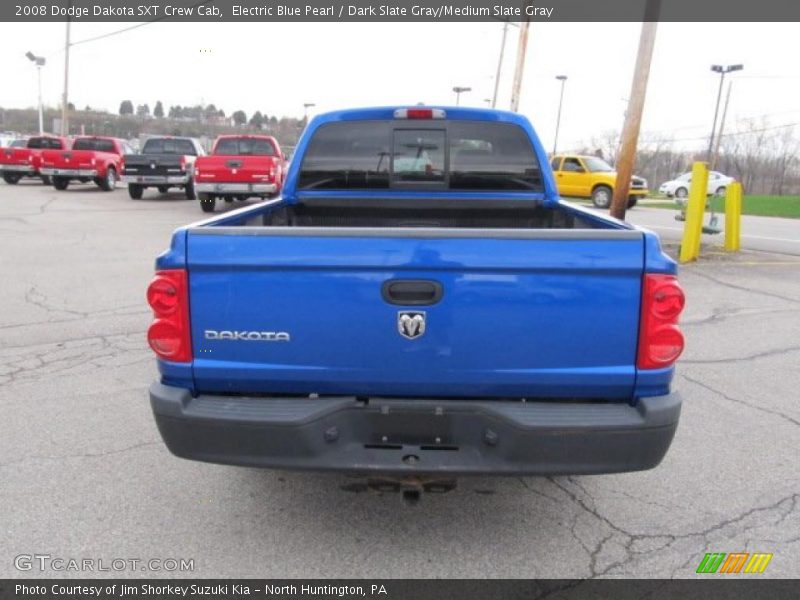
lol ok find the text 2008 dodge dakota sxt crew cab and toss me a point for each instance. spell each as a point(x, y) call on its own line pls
point(418, 302)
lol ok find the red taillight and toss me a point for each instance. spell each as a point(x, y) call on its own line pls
point(660, 340)
point(183, 163)
point(169, 334)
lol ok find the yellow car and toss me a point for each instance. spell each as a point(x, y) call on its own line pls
point(592, 177)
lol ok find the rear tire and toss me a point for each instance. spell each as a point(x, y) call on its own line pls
point(681, 192)
point(720, 191)
point(207, 202)
point(135, 191)
point(60, 183)
point(601, 196)
point(11, 178)
point(109, 182)
point(46, 180)
point(189, 190)
point(632, 200)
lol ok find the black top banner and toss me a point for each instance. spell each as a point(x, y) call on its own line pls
point(402, 10)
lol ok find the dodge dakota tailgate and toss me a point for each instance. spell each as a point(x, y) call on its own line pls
point(471, 314)
point(235, 169)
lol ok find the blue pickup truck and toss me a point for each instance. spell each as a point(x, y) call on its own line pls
point(418, 302)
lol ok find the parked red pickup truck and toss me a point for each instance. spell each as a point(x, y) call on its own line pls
point(238, 167)
point(16, 163)
point(91, 158)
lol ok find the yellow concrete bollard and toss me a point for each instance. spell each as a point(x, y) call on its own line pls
point(733, 217)
point(695, 208)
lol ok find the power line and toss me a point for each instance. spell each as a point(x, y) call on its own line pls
point(126, 29)
point(733, 134)
point(112, 33)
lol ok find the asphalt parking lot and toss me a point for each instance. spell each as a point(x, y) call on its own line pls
point(84, 474)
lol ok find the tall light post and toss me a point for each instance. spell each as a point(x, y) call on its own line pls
point(562, 79)
point(460, 90)
point(39, 61)
point(65, 99)
point(306, 106)
point(715, 158)
point(722, 72)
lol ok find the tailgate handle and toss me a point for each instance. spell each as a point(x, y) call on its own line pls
point(234, 164)
point(412, 292)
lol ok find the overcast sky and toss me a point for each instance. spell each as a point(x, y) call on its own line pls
point(276, 67)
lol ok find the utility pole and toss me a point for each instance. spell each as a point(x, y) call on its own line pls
point(562, 79)
point(65, 99)
point(715, 157)
point(522, 46)
point(500, 63)
point(633, 116)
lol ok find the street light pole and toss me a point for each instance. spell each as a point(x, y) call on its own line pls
point(306, 106)
point(39, 61)
point(715, 157)
point(41, 115)
point(562, 79)
point(722, 72)
point(460, 90)
point(64, 101)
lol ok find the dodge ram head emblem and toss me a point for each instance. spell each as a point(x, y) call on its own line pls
point(411, 324)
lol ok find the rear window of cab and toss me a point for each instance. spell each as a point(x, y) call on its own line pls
point(94, 144)
point(455, 155)
point(244, 147)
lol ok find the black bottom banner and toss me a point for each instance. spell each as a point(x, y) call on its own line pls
point(398, 589)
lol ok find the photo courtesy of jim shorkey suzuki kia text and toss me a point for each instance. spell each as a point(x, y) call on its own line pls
point(399, 299)
point(131, 589)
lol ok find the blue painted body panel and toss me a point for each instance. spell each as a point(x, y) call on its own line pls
point(519, 317)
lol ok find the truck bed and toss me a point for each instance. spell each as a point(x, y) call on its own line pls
point(330, 213)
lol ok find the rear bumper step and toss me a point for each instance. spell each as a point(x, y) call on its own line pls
point(18, 169)
point(236, 188)
point(155, 179)
point(417, 436)
point(50, 171)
